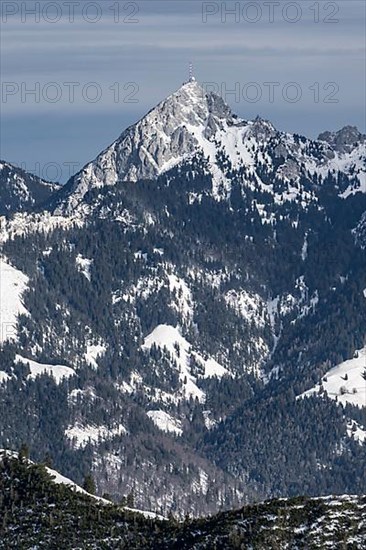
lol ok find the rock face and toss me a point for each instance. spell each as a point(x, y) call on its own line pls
point(164, 137)
point(345, 140)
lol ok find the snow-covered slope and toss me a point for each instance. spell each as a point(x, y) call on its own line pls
point(13, 283)
point(345, 382)
point(170, 340)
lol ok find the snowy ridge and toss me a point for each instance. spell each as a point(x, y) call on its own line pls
point(145, 513)
point(59, 479)
point(191, 123)
point(159, 141)
point(62, 480)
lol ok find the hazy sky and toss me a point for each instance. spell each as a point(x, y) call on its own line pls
point(96, 67)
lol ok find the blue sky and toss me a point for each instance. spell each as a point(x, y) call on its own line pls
point(144, 54)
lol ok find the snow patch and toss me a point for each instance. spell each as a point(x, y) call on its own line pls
point(86, 394)
point(93, 351)
point(165, 422)
point(166, 336)
point(146, 514)
point(4, 377)
point(304, 250)
point(58, 372)
point(211, 366)
point(250, 306)
point(182, 296)
point(355, 431)
point(209, 421)
point(83, 265)
point(80, 435)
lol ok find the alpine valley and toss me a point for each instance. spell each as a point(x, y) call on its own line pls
point(185, 319)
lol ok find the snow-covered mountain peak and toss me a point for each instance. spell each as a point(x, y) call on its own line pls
point(174, 130)
point(192, 122)
point(188, 105)
point(191, 100)
point(165, 132)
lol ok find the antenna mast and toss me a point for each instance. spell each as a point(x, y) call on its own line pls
point(191, 77)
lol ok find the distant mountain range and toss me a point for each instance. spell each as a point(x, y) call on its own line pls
point(186, 317)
